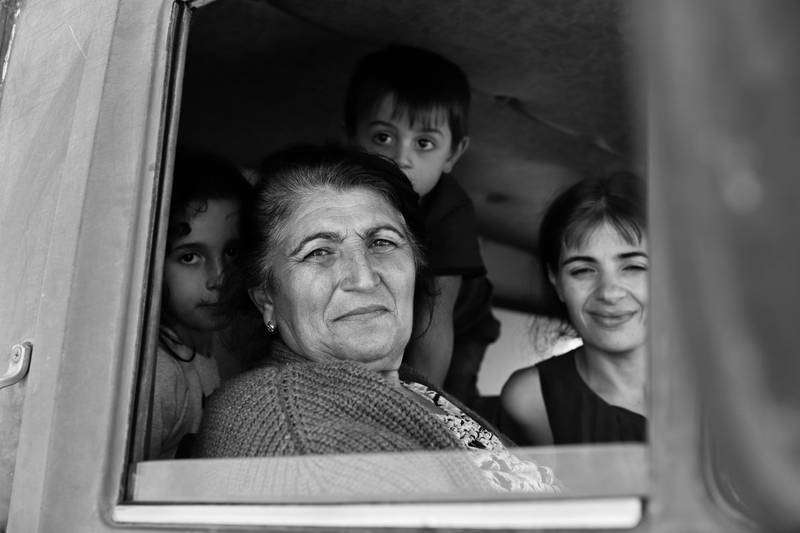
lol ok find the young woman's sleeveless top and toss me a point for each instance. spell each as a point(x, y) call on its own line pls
point(578, 415)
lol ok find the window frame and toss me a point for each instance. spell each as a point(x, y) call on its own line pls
point(170, 115)
point(299, 515)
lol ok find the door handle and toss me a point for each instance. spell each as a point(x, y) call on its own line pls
point(19, 360)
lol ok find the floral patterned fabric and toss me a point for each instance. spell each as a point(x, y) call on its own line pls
point(503, 469)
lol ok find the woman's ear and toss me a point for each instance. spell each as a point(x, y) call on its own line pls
point(263, 301)
point(455, 154)
point(554, 282)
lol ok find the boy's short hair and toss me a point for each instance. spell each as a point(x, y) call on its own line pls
point(420, 81)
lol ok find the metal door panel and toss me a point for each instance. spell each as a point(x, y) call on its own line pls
point(79, 131)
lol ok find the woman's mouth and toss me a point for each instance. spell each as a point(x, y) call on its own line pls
point(363, 312)
point(612, 320)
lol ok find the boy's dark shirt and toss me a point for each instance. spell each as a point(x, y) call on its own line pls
point(453, 250)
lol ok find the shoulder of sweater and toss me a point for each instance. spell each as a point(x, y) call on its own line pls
point(312, 385)
point(272, 373)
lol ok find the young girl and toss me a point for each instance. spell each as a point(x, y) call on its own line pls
point(202, 243)
point(594, 253)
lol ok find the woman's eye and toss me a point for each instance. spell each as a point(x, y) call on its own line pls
point(580, 272)
point(426, 144)
point(317, 254)
point(382, 138)
point(232, 251)
point(635, 268)
point(382, 244)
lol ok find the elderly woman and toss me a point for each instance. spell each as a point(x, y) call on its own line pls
point(334, 263)
point(593, 248)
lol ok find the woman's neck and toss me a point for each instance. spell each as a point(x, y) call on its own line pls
point(619, 378)
point(391, 376)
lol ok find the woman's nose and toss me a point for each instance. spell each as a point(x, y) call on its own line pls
point(610, 290)
point(359, 272)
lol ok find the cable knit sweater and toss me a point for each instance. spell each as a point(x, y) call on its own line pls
point(293, 406)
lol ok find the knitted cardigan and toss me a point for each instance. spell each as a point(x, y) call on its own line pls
point(292, 406)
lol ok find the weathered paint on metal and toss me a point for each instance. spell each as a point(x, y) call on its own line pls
point(79, 124)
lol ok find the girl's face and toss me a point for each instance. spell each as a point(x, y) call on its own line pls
point(195, 263)
point(603, 283)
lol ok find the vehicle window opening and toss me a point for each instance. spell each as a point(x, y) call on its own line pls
point(231, 107)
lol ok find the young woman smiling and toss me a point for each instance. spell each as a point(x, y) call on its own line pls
point(594, 254)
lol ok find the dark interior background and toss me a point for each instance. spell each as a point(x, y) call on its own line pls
point(552, 98)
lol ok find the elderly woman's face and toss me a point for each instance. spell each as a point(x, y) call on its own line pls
point(343, 272)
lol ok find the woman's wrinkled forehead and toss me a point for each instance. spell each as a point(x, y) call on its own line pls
point(319, 197)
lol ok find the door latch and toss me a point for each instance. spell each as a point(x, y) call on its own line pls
point(19, 359)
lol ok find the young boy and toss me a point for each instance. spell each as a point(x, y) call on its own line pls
point(412, 106)
point(202, 244)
